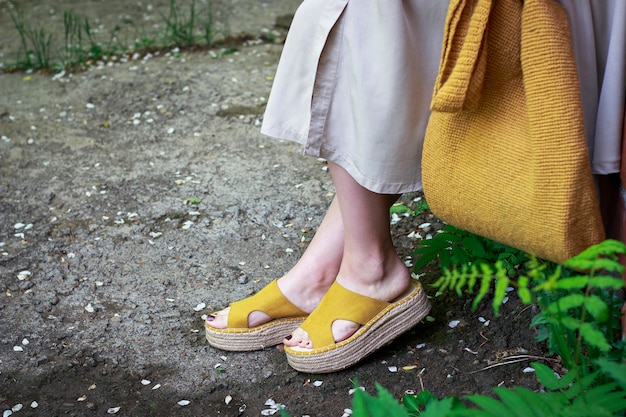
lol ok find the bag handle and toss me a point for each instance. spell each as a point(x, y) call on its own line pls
point(463, 57)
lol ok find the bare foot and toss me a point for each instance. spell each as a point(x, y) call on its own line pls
point(219, 320)
point(304, 296)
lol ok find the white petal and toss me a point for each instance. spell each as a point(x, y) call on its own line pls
point(24, 275)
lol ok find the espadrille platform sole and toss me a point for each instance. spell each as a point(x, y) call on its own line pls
point(383, 326)
point(239, 337)
point(255, 338)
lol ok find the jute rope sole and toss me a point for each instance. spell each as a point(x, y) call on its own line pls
point(394, 320)
point(256, 338)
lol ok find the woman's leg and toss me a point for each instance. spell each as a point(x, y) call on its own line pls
point(307, 282)
point(370, 264)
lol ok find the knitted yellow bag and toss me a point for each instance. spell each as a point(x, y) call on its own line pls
point(505, 154)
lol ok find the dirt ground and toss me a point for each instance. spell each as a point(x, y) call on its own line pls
point(108, 260)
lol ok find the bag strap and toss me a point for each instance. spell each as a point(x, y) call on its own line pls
point(463, 57)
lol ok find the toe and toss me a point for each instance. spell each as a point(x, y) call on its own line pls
point(297, 338)
point(219, 319)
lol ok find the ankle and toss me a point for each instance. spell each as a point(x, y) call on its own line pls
point(383, 280)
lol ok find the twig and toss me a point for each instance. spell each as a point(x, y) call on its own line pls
point(419, 375)
point(486, 340)
point(523, 310)
point(514, 359)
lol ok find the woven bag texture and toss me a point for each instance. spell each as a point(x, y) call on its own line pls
point(505, 154)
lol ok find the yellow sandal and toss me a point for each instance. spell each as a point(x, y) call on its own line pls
point(380, 323)
point(238, 337)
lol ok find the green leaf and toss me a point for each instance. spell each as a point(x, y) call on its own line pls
point(412, 403)
point(542, 404)
point(448, 237)
point(445, 259)
point(523, 292)
point(600, 400)
point(568, 322)
point(538, 320)
point(194, 200)
point(514, 402)
point(424, 260)
point(616, 370)
point(502, 283)
point(383, 405)
point(474, 274)
point(597, 307)
point(474, 246)
point(489, 405)
point(606, 282)
point(607, 247)
point(548, 379)
point(525, 295)
point(452, 229)
point(436, 244)
point(613, 402)
point(461, 282)
point(440, 408)
point(460, 256)
point(565, 303)
point(399, 209)
point(581, 385)
point(594, 337)
point(600, 264)
point(485, 284)
point(571, 283)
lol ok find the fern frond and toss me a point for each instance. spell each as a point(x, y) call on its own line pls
point(609, 247)
point(616, 370)
point(603, 256)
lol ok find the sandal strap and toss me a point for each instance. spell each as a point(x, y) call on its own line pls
point(270, 300)
point(339, 303)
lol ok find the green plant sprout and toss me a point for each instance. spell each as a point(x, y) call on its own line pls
point(183, 29)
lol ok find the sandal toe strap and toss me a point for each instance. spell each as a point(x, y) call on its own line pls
point(270, 300)
point(339, 303)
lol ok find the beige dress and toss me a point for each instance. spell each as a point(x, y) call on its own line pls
point(354, 85)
